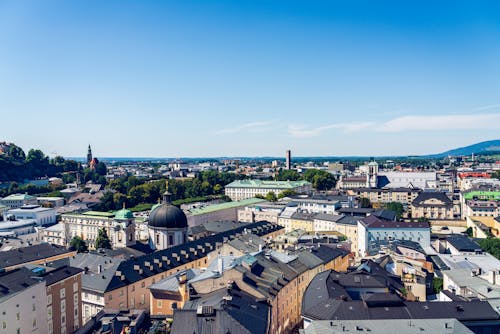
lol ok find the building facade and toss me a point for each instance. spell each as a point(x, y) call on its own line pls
point(243, 189)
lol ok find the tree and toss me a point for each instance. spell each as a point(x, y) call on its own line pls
point(437, 284)
point(78, 244)
point(490, 245)
point(496, 175)
point(365, 202)
point(271, 197)
point(101, 168)
point(287, 193)
point(469, 232)
point(17, 153)
point(396, 207)
point(102, 240)
point(287, 175)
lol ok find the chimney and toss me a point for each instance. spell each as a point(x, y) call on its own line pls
point(492, 275)
point(220, 265)
point(99, 268)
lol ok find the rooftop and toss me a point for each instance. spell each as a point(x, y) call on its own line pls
point(224, 206)
point(15, 281)
point(400, 326)
point(29, 254)
point(267, 184)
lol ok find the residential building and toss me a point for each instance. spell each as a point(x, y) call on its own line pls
point(64, 304)
point(372, 229)
point(255, 213)
point(432, 205)
point(42, 216)
point(478, 208)
point(23, 303)
point(223, 311)
point(404, 196)
point(242, 189)
point(15, 201)
point(55, 234)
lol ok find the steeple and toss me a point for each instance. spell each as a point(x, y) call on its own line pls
point(166, 195)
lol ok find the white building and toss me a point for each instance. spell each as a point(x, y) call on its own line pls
point(372, 229)
point(55, 234)
point(42, 216)
point(17, 200)
point(313, 205)
point(120, 227)
point(242, 189)
point(23, 303)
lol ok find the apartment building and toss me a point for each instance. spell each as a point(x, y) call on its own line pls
point(242, 189)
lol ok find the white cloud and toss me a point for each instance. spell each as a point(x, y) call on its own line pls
point(474, 121)
point(248, 127)
point(301, 131)
point(441, 122)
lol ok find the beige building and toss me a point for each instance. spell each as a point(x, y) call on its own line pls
point(400, 195)
point(120, 227)
point(432, 205)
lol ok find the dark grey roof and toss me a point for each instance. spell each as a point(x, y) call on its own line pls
point(60, 274)
point(222, 226)
point(186, 252)
point(375, 222)
point(358, 310)
point(327, 217)
point(463, 243)
point(222, 311)
point(424, 196)
point(385, 214)
point(167, 216)
point(16, 280)
point(328, 252)
point(356, 211)
point(348, 220)
point(29, 254)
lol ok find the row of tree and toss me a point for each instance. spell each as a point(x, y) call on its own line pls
point(320, 179)
point(133, 191)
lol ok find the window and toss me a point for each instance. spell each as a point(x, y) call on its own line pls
point(143, 284)
point(49, 299)
point(110, 297)
point(62, 293)
point(159, 303)
point(4, 325)
point(63, 306)
point(143, 299)
point(75, 286)
point(18, 316)
point(34, 323)
point(49, 312)
point(34, 308)
point(157, 239)
point(170, 240)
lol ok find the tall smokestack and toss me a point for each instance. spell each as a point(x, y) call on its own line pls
point(288, 159)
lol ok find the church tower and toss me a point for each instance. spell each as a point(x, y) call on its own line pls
point(89, 156)
point(372, 174)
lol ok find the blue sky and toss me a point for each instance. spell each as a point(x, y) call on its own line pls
point(249, 78)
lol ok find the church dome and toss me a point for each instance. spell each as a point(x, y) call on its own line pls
point(167, 216)
point(124, 214)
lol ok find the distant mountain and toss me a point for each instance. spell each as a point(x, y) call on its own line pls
point(490, 146)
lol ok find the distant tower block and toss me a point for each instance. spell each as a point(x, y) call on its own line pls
point(288, 159)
